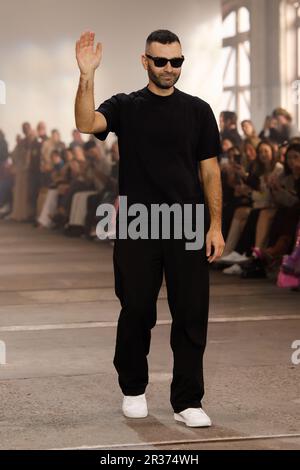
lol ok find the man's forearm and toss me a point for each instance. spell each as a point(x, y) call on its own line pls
point(213, 193)
point(85, 104)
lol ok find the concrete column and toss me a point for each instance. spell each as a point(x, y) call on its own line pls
point(265, 58)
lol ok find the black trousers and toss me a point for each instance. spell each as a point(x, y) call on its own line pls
point(139, 266)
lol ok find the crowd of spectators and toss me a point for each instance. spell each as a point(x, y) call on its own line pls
point(261, 194)
point(51, 185)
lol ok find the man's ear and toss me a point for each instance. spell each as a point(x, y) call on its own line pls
point(144, 61)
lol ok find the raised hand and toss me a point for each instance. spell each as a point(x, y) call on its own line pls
point(87, 58)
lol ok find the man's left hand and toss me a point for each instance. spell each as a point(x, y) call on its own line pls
point(214, 239)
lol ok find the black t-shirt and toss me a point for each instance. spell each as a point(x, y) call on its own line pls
point(161, 141)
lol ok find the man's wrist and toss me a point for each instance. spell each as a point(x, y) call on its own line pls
point(87, 76)
point(216, 226)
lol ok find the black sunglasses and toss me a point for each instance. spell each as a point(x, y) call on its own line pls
point(176, 62)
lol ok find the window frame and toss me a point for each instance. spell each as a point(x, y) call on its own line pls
point(237, 90)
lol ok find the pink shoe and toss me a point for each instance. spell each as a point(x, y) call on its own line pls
point(287, 281)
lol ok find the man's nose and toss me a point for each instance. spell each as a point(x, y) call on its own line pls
point(168, 67)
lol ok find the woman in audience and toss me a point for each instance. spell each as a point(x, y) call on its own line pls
point(97, 174)
point(242, 193)
point(57, 177)
point(234, 175)
point(256, 229)
point(286, 194)
point(250, 132)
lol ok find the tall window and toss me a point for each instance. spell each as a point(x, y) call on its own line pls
point(296, 81)
point(236, 62)
point(290, 62)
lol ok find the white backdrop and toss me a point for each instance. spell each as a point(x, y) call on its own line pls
point(37, 51)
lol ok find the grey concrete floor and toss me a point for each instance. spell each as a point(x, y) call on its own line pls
point(59, 389)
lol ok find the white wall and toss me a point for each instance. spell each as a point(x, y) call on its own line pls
point(38, 65)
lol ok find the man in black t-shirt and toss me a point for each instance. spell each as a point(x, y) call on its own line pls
point(167, 140)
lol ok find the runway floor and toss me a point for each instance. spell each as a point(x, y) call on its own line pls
point(58, 389)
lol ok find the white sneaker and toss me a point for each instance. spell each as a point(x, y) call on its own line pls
point(193, 417)
point(5, 209)
point(233, 257)
point(135, 406)
point(234, 269)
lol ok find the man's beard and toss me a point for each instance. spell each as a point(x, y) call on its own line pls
point(160, 82)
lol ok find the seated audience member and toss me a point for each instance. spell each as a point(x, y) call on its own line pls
point(35, 165)
point(235, 191)
point(77, 139)
point(3, 147)
point(95, 176)
point(226, 145)
point(109, 194)
point(256, 229)
point(53, 143)
point(285, 126)
point(286, 194)
point(6, 182)
point(22, 210)
point(250, 132)
point(228, 127)
point(270, 131)
point(57, 177)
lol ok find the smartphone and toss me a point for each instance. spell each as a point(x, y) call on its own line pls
point(238, 158)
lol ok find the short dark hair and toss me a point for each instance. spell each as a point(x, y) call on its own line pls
point(163, 36)
point(229, 117)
